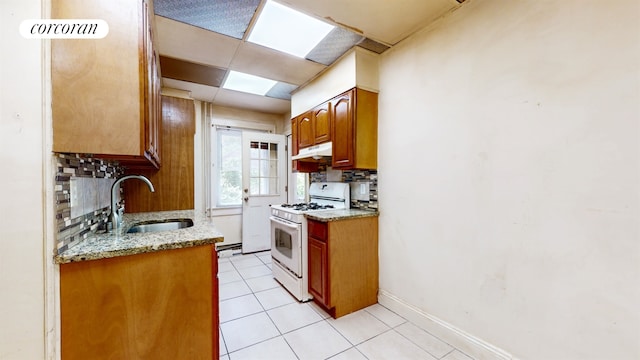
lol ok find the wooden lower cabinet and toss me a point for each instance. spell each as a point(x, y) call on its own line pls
point(343, 264)
point(158, 305)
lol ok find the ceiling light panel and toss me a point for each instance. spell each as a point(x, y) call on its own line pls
point(248, 83)
point(284, 29)
point(228, 17)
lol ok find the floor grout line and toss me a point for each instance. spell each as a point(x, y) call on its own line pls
point(238, 258)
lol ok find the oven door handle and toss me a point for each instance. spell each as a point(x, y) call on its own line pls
point(286, 223)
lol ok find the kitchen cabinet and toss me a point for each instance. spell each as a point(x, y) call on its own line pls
point(157, 305)
point(105, 92)
point(314, 126)
point(297, 165)
point(343, 264)
point(322, 123)
point(350, 122)
point(305, 130)
point(355, 130)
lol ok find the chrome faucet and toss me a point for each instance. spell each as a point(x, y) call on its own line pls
point(116, 217)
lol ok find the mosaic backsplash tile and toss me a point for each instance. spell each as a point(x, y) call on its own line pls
point(82, 193)
point(369, 178)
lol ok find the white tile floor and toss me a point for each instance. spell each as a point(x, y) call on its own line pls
point(261, 320)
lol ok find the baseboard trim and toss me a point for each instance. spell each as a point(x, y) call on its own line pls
point(467, 343)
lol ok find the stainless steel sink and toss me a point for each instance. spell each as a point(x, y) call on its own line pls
point(160, 225)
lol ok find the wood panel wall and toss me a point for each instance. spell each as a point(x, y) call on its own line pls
point(174, 180)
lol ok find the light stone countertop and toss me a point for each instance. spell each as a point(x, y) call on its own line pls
point(335, 215)
point(107, 245)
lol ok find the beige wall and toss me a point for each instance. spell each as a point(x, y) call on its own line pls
point(22, 230)
point(509, 176)
point(358, 67)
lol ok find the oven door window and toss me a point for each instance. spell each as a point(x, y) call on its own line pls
point(283, 242)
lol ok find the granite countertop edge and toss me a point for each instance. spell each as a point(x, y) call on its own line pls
point(336, 215)
point(109, 245)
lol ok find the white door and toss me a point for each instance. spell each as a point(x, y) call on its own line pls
point(263, 184)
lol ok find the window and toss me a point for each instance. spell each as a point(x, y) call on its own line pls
point(301, 187)
point(263, 171)
point(298, 181)
point(229, 168)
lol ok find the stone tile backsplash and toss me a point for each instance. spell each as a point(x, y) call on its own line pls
point(358, 179)
point(83, 196)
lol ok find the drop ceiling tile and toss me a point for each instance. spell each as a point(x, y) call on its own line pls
point(373, 45)
point(281, 91)
point(182, 41)
point(336, 43)
point(187, 71)
point(227, 17)
point(386, 21)
point(236, 99)
point(271, 64)
point(197, 91)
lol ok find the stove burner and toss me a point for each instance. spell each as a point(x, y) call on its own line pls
point(307, 206)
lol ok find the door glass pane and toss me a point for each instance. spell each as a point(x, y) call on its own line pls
point(264, 168)
point(254, 168)
point(254, 186)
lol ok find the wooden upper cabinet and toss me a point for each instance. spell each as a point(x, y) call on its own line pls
point(350, 122)
point(322, 123)
point(297, 165)
point(313, 127)
point(294, 137)
point(305, 130)
point(343, 131)
point(105, 92)
point(355, 130)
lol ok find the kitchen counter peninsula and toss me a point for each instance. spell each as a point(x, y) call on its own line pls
point(143, 295)
point(108, 245)
point(334, 215)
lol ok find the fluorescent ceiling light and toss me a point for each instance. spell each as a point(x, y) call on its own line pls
point(284, 29)
point(248, 83)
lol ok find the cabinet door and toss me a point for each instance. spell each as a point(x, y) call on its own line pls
point(305, 130)
point(342, 131)
point(159, 305)
point(322, 123)
point(294, 137)
point(152, 116)
point(297, 165)
point(317, 271)
point(97, 85)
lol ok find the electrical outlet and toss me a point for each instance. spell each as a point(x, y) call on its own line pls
point(359, 190)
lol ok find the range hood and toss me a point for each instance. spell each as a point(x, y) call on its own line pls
point(315, 152)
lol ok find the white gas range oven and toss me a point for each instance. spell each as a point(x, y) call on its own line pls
point(289, 234)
